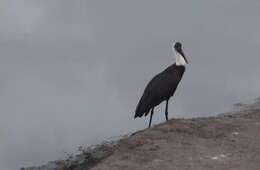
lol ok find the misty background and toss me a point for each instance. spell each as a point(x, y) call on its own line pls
point(72, 72)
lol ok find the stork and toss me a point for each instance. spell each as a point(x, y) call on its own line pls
point(162, 86)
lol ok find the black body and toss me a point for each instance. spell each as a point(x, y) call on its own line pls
point(160, 88)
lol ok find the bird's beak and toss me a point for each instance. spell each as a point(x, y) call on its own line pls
point(181, 52)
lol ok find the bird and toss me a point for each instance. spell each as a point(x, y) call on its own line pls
point(162, 86)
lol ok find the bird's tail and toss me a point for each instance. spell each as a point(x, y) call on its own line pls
point(138, 114)
point(140, 111)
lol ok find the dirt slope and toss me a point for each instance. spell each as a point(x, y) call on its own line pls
point(226, 142)
point(230, 141)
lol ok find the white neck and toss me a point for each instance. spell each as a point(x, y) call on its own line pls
point(180, 61)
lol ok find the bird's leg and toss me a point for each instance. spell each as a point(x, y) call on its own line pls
point(166, 110)
point(151, 116)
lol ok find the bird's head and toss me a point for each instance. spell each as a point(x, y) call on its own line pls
point(180, 57)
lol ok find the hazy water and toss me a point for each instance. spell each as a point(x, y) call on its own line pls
point(71, 73)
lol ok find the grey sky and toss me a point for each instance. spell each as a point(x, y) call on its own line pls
point(72, 72)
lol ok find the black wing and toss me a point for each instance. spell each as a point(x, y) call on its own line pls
point(160, 88)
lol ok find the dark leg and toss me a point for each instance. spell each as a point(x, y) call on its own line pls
point(151, 116)
point(166, 110)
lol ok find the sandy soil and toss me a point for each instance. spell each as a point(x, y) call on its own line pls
point(229, 141)
point(226, 142)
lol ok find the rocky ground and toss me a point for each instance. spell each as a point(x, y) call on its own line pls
point(228, 141)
